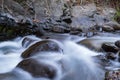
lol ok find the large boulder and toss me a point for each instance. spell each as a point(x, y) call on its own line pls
point(34, 9)
point(84, 10)
point(7, 26)
point(11, 27)
point(41, 46)
point(37, 68)
point(83, 22)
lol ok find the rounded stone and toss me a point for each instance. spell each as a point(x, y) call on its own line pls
point(109, 47)
point(117, 43)
point(37, 68)
point(41, 46)
point(107, 28)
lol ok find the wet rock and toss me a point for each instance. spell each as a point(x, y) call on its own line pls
point(37, 29)
point(7, 76)
point(7, 26)
point(55, 25)
point(27, 27)
point(114, 25)
point(45, 45)
point(112, 75)
point(56, 36)
point(67, 19)
point(24, 21)
point(92, 43)
point(118, 56)
point(10, 29)
point(110, 55)
point(117, 43)
point(109, 47)
point(75, 31)
point(60, 29)
point(6, 21)
point(37, 68)
point(107, 28)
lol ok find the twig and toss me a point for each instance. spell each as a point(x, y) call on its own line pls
point(2, 5)
point(8, 10)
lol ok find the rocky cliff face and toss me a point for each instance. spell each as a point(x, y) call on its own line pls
point(32, 8)
point(40, 9)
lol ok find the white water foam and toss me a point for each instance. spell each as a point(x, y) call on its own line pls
point(76, 61)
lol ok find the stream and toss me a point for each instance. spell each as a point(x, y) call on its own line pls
point(78, 62)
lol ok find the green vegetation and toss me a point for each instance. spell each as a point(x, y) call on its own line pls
point(117, 16)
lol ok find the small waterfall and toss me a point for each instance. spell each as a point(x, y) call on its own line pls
point(79, 64)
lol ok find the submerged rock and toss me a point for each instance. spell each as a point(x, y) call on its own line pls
point(111, 56)
point(37, 68)
point(41, 46)
point(101, 60)
point(27, 41)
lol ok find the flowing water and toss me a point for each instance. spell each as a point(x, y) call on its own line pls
point(77, 61)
